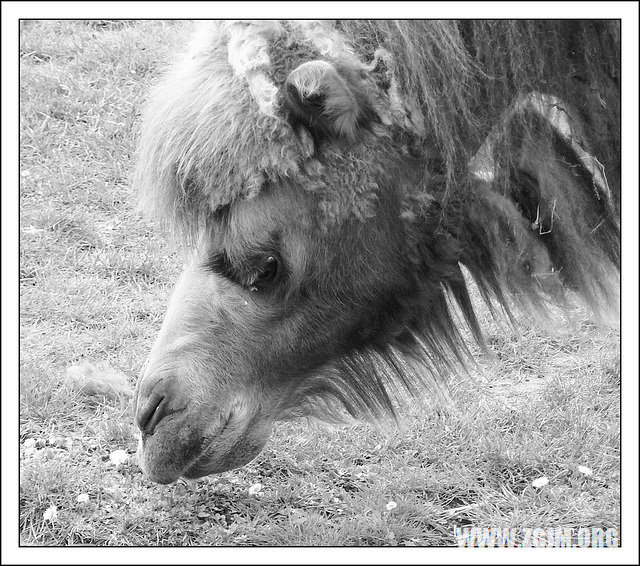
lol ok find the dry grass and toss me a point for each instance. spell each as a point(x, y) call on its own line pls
point(95, 279)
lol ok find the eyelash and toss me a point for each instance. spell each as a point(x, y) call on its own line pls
point(254, 280)
point(267, 273)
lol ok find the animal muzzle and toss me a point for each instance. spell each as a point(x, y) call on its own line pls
point(182, 436)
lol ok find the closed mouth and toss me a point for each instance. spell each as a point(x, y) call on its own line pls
point(199, 466)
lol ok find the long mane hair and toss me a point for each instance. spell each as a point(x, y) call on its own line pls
point(464, 74)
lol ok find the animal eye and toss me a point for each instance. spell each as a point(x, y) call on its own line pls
point(266, 274)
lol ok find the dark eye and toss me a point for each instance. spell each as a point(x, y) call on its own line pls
point(266, 274)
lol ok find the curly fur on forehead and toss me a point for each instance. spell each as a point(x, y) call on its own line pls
point(206, 140)
point(215, 128)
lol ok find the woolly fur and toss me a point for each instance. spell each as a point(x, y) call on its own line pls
point(215, 129)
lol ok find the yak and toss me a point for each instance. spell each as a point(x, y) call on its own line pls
point(340, 185)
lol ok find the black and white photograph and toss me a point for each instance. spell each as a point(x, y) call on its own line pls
point(320, 289)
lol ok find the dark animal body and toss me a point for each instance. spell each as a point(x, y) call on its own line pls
point(336, 178)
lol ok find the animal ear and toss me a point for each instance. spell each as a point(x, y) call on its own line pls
point(329, 102)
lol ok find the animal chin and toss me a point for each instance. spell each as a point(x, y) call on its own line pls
point(218, 463)
point(216, 459)
point(230, 446)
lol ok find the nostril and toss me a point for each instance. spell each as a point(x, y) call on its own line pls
point(159, 405)
point(152, 413)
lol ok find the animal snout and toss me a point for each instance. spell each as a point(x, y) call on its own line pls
point(156, 400)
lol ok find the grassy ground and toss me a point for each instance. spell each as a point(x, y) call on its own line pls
point(95, 277)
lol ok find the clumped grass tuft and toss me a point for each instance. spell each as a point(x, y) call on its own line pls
point(95, 278)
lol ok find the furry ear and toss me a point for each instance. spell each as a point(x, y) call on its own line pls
point(329, 102)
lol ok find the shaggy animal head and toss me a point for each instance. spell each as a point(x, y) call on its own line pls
point(315, 176)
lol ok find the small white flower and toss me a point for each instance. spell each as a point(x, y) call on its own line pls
point(540, 482)
point(586, 471)
point(51, 514)
point(377, 447)
point(255, 488)
point(118, 457)
point(83, 498)
point(391, 505)
point(29, 443)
